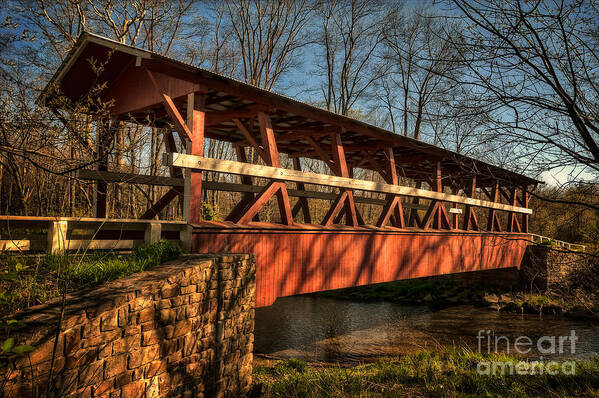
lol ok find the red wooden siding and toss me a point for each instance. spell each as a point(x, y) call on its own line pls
point(295, 260)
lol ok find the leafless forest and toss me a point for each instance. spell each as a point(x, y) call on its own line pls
point(512, 83)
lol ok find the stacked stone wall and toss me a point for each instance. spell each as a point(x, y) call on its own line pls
point(184, 328)
point(549, 269)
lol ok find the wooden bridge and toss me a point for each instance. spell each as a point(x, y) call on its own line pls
point(438, 212)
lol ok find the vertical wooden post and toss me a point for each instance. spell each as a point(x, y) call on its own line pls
point(171, 146)
point(272, 152)
point(271, 157)
point(193, 181)
point(57, 236)
point(493, 222)
point(393, 206)
point(512, 221)
point(437, 213)
point(153, 232)
point(438, 183)
point(455, 217)
point(302, 203)
point(525, 203)
point(346, 195)
point(414, 220)
point(470, 220)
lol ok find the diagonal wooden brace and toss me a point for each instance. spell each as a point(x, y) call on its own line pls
point(393, 206)
point(512, 221)
point(470, 220)
point(346, 197)
point(263, 197)
point(270, 155)
point(172, 110)
point(493, 224)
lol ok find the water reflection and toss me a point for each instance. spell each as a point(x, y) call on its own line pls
point(323, 329)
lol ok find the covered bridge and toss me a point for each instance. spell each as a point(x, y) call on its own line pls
point(440, 212)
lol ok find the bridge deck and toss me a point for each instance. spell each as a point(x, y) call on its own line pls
point(309, 258)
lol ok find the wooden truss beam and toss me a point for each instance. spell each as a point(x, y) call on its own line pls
point(470, 220)
point(161, 203)
point(280, 174)
point(246, 187)
point(346, 197)
point(248, 196)
point(111, 176)
point(302, 203)
point(271, 157)
point(493, 223)
point(512, 221)
point(525, 202)
point(393, 206)
point(217, 117)
point(437, 213)
point(180, 126)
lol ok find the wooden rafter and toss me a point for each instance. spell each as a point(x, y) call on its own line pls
point(250, 139)
point(217, 117)
point(180, 126)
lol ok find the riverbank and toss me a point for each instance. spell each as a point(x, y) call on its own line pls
point(452, 290)
point(439, 373)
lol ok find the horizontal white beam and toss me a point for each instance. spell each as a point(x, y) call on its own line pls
point(276, 173)
point(131, 178)
point(15, 245)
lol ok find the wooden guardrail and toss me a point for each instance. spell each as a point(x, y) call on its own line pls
point(201, 163)
point(22, 233)
point(132, 178)
point(544, 240)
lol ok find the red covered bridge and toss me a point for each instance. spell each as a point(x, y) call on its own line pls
point(440, 212)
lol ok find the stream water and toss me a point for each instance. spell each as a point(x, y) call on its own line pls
point(329, 330)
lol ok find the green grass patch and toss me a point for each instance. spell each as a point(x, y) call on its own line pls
point(94, 271)
point(31, 280)
point(445, 373)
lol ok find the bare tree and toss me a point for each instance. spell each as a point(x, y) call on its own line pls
point(269, 36)
point(53, 143)
point(422, 59)
point(351, 33)
point(534, 66)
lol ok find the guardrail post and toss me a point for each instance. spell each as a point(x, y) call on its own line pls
point(57, 236)
point(153, 232)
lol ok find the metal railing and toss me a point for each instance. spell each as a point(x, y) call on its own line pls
point(545, 240)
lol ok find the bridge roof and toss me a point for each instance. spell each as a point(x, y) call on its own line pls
point(96, 61)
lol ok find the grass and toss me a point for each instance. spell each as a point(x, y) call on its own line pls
point(444, 373)
point(31, 280)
